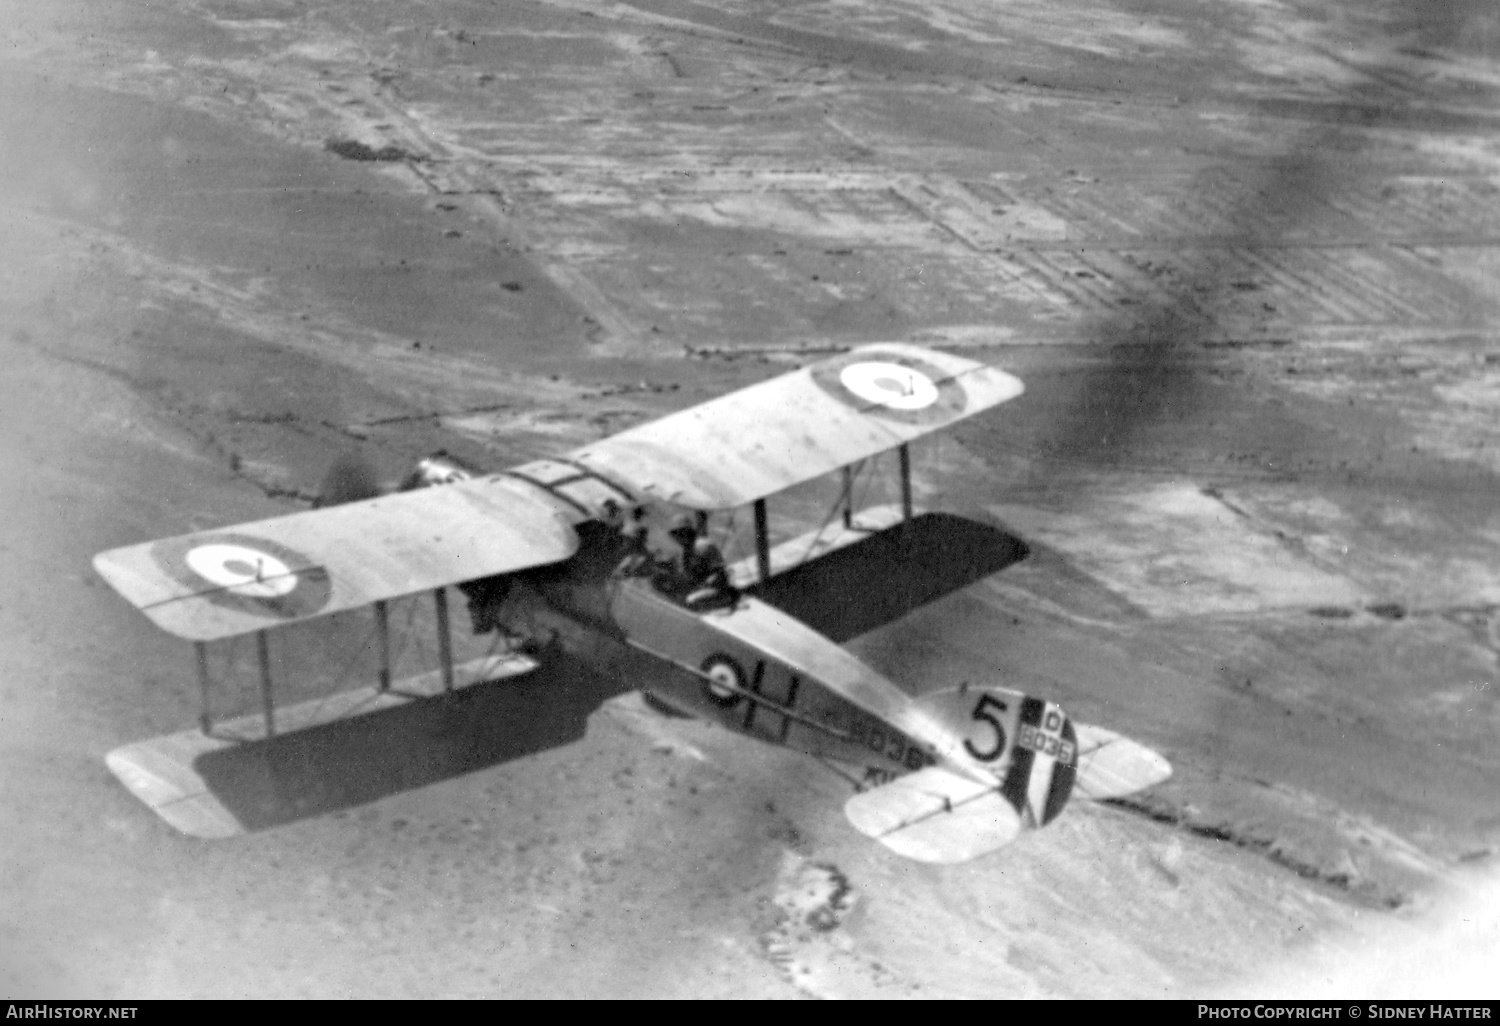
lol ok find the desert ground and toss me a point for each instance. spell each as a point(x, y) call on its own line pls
point(1244, 254)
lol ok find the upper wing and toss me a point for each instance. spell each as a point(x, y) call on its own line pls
point(216, 584)
point(934, 815)
point(760, 440)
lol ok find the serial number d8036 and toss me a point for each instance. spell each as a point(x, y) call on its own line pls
point(1040, 741)
point(887, 742)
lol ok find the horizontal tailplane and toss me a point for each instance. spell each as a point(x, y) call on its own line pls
point(935, 815)
point(1036, 759)
point(1111, 766)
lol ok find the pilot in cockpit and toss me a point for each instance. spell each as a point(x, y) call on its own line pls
point(701, 577)
point(635, 553)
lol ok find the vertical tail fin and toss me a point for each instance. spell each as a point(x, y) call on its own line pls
point(1028, 745)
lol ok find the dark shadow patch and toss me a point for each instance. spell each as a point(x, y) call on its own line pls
point(666, 709)
point(352, 149)
point(1254, 839)
point(353, 761)
point(855, 589)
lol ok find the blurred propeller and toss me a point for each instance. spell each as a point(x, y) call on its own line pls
point(351, 478)
point(1145, 362)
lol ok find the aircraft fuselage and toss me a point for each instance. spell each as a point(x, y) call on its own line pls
point(744, 664)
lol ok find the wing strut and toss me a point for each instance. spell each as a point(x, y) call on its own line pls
point(383, 631)
point(445, 637)
point(905, 455)
point(205, 714)
point(267, 699)
point(762, 541)
point(267, 684)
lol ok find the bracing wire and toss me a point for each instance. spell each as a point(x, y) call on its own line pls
point(732, 533)
point(833, 512)
point(848, 778)
point(343, 674)
point(495, 643)
point(863, 480)
point(406, 634)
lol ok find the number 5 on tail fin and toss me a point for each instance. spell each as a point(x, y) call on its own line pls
point(1012, 763)
point(1026, 746)
point(1018, 738)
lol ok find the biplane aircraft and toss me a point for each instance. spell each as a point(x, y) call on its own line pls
point(553, 549)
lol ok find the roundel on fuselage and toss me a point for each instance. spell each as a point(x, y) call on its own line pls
point(724, 680)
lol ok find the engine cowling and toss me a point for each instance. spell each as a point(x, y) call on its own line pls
point(441, 468)
point(486, 595)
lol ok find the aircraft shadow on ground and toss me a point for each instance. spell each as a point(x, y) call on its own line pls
point(878, 580)
point(349, 762)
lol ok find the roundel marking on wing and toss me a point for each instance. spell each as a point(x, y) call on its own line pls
point(889, 384)
point(893, 385)
point(242, 569)
point(248, 574)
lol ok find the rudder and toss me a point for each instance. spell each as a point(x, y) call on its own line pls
point(1026, 743)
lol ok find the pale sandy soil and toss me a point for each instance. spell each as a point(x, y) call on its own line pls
point(1241, 253)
